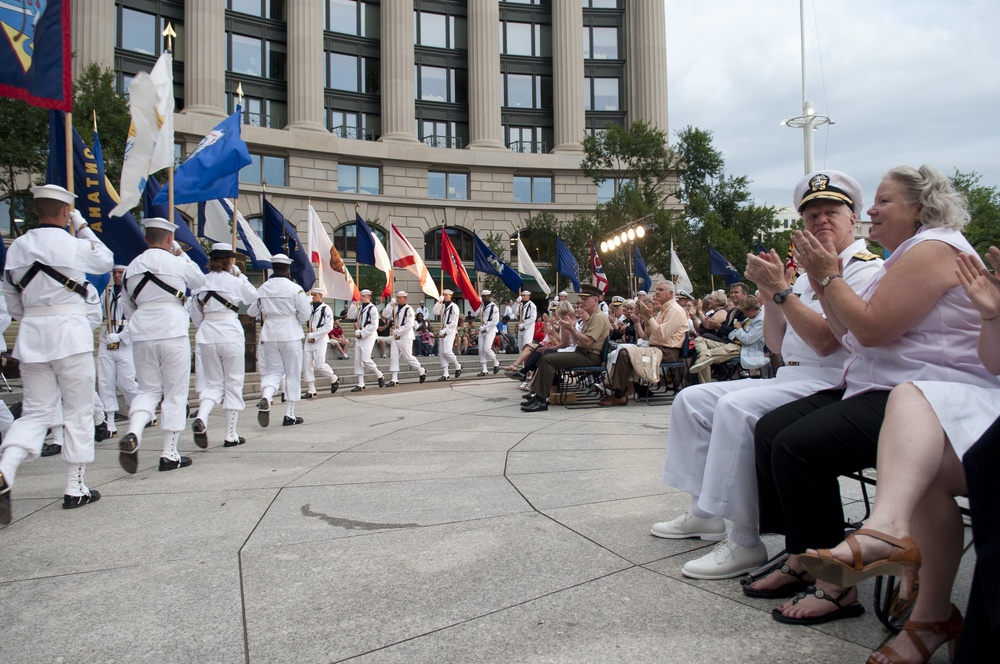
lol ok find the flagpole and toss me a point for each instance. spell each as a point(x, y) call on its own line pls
point(442, 252)
point(169, 33)
point(239, 92)
point(357, 263)
point(68, 128)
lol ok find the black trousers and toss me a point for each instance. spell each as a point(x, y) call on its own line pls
point(802, 448)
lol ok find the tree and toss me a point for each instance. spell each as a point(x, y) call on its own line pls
point(638, 151)
point(984, 206)
point(24, 138)
point(94, 93)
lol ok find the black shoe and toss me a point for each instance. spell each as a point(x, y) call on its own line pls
point(458, 372)
point(282, 397)
point(534, 406)
point(263, 412)
point(72, 502)
point(234, 443)
point(51, 449)
point(334, 386)
point(381, 381)
point(128, 453)
point(5, 514)
point(496, 370)
point(528, 397)
point(200, 434)
point(423, 377)
point(358, 388)
point(442, 379)
point(170, 464)
point(391, 383)
point(519, 375)
point(481, 373)
point(289, 421)
point(308, 395)
point(101, 432)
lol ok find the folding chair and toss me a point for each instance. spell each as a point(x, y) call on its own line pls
point(585, 379)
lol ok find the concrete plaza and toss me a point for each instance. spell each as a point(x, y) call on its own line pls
point(432, 523)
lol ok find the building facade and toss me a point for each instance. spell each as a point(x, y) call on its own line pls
point(431, 113)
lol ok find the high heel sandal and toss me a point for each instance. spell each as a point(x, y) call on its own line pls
point(903, 561)
point(951, 629)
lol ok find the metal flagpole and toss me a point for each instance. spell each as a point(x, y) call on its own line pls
point(169, 33)
point(239, 92)
point(357, 263)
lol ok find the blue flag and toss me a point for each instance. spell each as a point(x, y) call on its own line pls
point(761, 249)
point(717, 264)
point(490, 263)
point(280, 237)
point(36, 55)
point(189, 243)
point(566, 264)
point(213, 169)
point(96, 196)
point(215, 222)
point(641, 272)
point(365, 241)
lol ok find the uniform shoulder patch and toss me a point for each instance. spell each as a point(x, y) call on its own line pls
point(865, 256)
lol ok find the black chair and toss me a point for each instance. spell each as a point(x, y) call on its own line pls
point(584, 381)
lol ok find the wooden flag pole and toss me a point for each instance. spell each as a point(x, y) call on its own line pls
point(68, 128)
point(169, 33)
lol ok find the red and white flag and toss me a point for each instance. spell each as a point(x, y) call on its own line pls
point(405, 256)
point(598, 277)
point(332, 276)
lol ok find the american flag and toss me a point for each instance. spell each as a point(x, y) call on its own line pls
point(598, 278)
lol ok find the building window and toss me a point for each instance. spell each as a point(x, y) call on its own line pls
point(460, 238)
point(527, 139)
point(601, 94)
point(448, 185)
point(354, 126)
point(528, 39)
point(264, 169)
point(600, 4)
point(442, 84)
point(532, 189)
point(354, 179)
point(345, 238)
point(527, 91)
point(608, 189)
point(442, 133)
point(260, 112)
point(139, 32)
point(600, 43)
point(352, 73)
point(273, 9)
point(440, 30)
point(350, 17)
point(251, 56)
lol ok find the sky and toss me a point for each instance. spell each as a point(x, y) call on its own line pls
point(905, 81)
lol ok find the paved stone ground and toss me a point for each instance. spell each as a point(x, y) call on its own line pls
point(430, 523)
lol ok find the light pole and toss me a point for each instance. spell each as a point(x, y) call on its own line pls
point(628, 235)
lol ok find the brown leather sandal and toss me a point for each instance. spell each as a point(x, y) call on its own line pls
point(951, 628)
point(903, 561)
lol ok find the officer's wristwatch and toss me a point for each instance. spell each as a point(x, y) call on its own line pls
point(826, 280)
point(781, 296)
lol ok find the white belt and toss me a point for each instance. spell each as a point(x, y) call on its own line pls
point(809, 364)
point(55, 310)
point(219, 315)
point(275, 318)
point(161, 304)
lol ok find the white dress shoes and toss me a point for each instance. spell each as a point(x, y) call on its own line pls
point(727, 560)
point(686, 526)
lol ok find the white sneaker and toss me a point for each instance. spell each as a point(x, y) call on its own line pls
point(701, 363)
point(687, 525)
point(726, 561)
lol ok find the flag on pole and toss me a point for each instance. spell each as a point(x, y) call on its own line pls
point(790, 263)
point(718, 264)
point(369, 249)
point(189, 243)
point(490, 263)
point(677, 271)
point(526, 266)
point(640, 270)
point(333, 275)
point(598, 277)
point(215, 222)
point(280, 238)
point(451, 263)
point(96, 196)
point(36, 56)
point(213, 170)
point(150, 143)
point(405, 256)
point(566, 264)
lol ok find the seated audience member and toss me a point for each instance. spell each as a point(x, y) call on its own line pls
point(384, 332)
point(709, 351)
point(589, 345)
point(928, 428)
point(897, 332)
point(556, 340)
point(712, 315)
point(710, 441)
point(664, 331)
point(750, 334)
point(338, 340)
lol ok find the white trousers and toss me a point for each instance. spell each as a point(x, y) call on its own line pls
point(525, 337)
point(116, 371)
point(6, 418)
point(71, 379)
point(163, 371)
point(403, 348)
point(446, 352)
point(363, 362)
point(314, 361)
point(710, 450)
point(281, 359)
point(222, 370)
point(486, 353)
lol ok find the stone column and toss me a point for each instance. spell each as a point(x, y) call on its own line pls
point(567, 75)
point(485, 130)
point(205, 57)
point(646, 69)
point(93, 30)
point(305, 65)
point(398, 87)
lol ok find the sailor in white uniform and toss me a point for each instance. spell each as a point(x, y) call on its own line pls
point(44, 289)
point(489, 319)
point(366, 333)
point(6, 417)
point(220, 342)
point(115, 366)
point(402, 339)
point(449, 313)
point(527, 313)
point(156, 282)
point(317, 337)
point(285, 308)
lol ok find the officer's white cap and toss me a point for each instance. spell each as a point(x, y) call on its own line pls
point(158, 222)
point(120, 267)
point(486, 292)
point(317, 289)
point(53, 191)
point(366, 292)
point(280, 259)
point(401, 293)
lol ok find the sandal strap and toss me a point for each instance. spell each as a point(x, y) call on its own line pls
point(876, 534)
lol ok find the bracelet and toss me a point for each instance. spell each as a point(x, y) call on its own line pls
point(989, 319)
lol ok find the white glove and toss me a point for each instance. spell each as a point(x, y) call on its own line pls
point(396, 336)
point(235, 270)
point(175, 248)
point(357, 334)
point(482, 330)
point(77, 220)
point(114, 338)
point(442, 334)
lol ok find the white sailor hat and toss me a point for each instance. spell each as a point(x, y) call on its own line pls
point(222, 250)
point(366, 292)
point(401, 293)
point(317, 289)
point(642, 292)
point(448, 291)
point(526, 292)
point(53, 191)
point(563, 293)
point(829, 185)
point(120, 267)
point(486, 291)
point(280, 259)
point(158, 222)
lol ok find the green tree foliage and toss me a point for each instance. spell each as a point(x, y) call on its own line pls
point(24, 137)
point(94, 93)
point(637, 151)
point(983, 230)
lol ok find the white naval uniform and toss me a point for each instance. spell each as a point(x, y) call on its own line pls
point(402, 340)
point(6, 417)
point(220, 340)
point(449, 327)
point(159, 326)
point(55, 345)
point(115, 368)
point(526, 323)
point(285, 308)
point(490, 317)
point(314, 351)
point(710, 449)
point(366, 334)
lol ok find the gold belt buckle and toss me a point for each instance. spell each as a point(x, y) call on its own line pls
point(312, 341)
point(113, 346)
